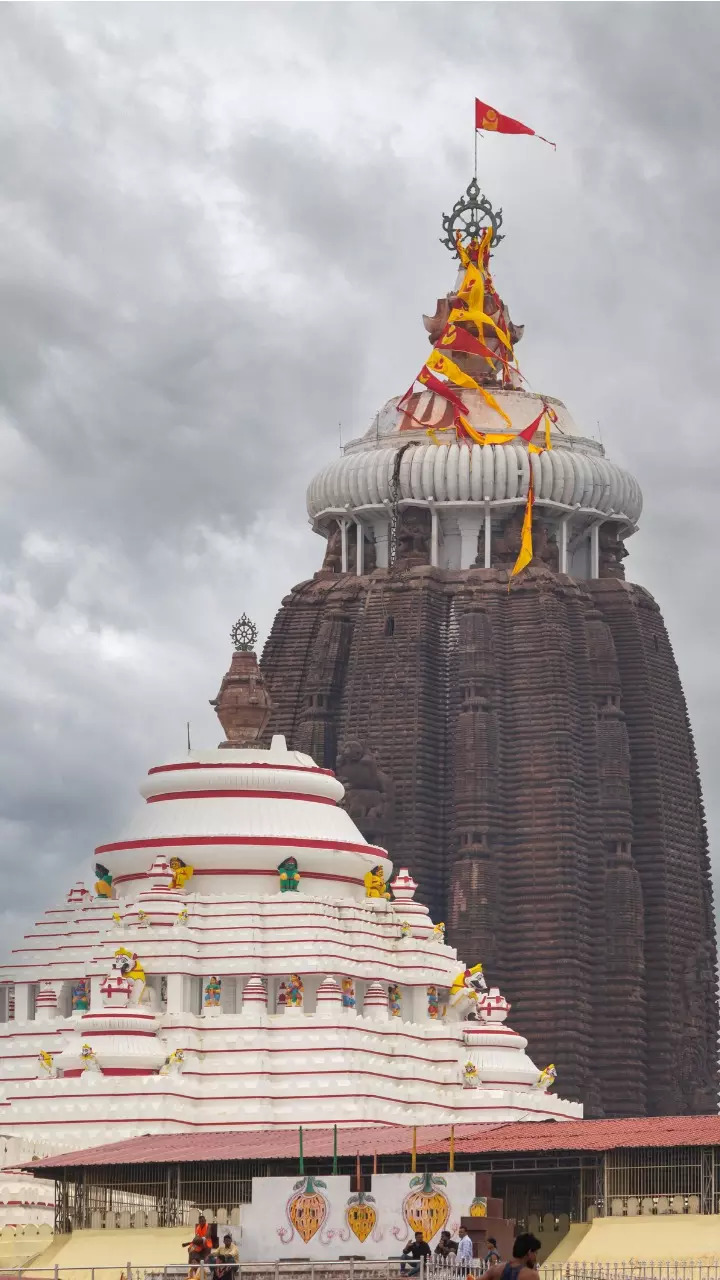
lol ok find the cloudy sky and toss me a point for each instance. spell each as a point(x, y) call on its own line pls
point(219, 230)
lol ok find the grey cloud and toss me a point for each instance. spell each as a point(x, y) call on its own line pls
point(219, 230)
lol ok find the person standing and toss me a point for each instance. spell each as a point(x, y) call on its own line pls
point(464, 1249)
point(492, 1256)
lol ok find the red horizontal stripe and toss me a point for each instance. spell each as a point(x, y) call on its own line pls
point(243, 871)
point(264, 841)
point(233, 764)
point(238, 794)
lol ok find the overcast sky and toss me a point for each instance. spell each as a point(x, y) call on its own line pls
point(219, 231)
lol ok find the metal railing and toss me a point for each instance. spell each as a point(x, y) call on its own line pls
point(358, 1268)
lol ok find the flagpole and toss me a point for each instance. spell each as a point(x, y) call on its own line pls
point(334, 1167)
point(476, 134)
point(301, 1158)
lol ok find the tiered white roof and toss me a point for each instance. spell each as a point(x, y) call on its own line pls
point(220, 956)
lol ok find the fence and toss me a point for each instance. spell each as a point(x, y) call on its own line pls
point(359, 1269)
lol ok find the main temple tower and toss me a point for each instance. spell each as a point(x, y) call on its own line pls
point(520, 742)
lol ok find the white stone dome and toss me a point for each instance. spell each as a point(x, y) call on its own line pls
point(239, 813)
point(575, 473)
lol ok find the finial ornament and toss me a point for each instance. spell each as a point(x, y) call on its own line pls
point(470, 216)
point(244, 635)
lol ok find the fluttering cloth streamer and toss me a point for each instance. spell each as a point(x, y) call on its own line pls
point(526, 542)
point(486, 117)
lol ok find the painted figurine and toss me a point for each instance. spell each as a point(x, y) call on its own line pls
point(289, 875)
point(127, 963)
point(89, 1061)
point(394, 1000)
point(433, 1003)
point(282, 995)
point(348, 993)
point(438, 933)
point(213, 993)
point(375, 886)
point(181, 873)
point(406, 929)
point(470, 981)
point(103, 884)
point(117, 919)
point(80, 996)
point(143, 919)
point(182, 917)
point(547, 1078)
point(470, 1075)
point(47, 1064)
point(295, 992)
point(173, 1064)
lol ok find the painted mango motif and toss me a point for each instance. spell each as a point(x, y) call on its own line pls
point(425, 1207)
point(307, 1209)
point(361, 1215)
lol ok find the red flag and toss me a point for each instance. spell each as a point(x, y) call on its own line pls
point(529, 432)
point(441, 388)
point(487, 117)
point(454, 339)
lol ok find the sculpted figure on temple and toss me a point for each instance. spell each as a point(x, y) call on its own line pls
point(375, 886)
point(369, 792)
point(181, 873)
point(103, 884)
point(547, 1078)
point(289, 875)
point(413, 537)
point(332, 561)
point(612, 552)
point(47, 1064)
point(470, 1076)
point(127, 963)
point(80, 996)
point(295, 990)
point(88, 1059)
point(173, 1064)
point(506, 544)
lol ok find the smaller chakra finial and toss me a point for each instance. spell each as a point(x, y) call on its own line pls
point(244, 635)
point(470, 216)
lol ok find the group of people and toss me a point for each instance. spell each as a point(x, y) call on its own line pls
point(206, 1251)
point(491, 1266)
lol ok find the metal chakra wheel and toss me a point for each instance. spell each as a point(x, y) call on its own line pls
point(471, 215)
point(244, 635)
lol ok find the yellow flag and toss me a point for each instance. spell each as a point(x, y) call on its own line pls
point(548, 442)
point(443, 364)
point(526, 543)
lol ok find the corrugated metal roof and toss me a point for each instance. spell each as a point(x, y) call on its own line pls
point(282, 1144)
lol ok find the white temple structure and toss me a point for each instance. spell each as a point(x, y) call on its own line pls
point(247, 960)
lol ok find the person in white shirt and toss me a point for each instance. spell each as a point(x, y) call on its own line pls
point(465, 1248)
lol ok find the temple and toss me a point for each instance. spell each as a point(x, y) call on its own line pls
point(245, 958)
point(518, 740)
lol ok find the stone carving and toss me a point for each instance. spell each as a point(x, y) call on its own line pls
point(332, 560)
point(612, 552)
point(369, 793)
point(127, 965)
point(413, 537)
point(506, 543)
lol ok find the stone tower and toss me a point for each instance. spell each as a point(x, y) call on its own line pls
point(523, 745)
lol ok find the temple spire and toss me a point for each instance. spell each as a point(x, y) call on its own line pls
point(243, 704)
